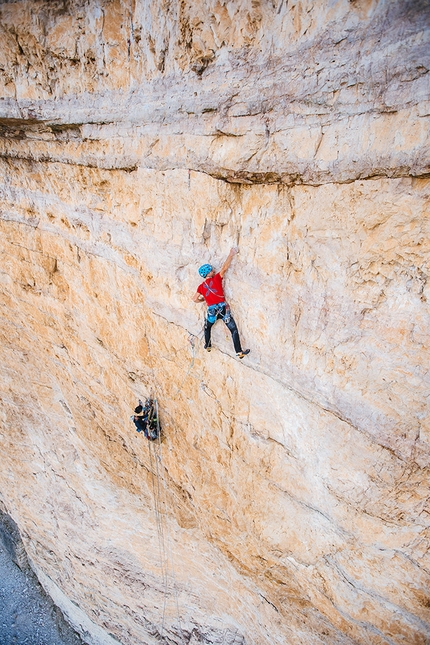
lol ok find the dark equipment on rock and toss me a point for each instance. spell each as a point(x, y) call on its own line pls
point(146, 420)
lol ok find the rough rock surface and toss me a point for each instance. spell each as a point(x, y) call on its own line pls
point(288, 501)
point(27, 615)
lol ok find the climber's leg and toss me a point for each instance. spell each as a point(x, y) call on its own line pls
point(230, 322)
point(208, 329)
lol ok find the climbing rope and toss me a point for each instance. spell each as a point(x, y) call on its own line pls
point(160, 502)
point(192, 340)
point(161, 492)
point(157, 473)
point(158, 521)
point(160, 506)
point(169, 548)
point(162, 540)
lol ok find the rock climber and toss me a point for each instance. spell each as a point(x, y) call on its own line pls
point(145, 419)
point(212, 292)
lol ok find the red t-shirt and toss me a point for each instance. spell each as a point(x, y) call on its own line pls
point(211, 290)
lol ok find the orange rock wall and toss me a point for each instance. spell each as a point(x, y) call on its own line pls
point(288, 501)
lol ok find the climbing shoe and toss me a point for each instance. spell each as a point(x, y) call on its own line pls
point(243, 353)
point(208, 348)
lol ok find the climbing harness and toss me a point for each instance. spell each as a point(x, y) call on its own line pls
point(221, 309)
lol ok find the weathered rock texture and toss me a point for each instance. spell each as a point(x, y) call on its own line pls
point(288, 502)
point(28, 615)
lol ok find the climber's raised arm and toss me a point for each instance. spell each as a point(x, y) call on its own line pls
point(227, 263)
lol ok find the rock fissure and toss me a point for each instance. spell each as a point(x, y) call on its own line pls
point(422, 625)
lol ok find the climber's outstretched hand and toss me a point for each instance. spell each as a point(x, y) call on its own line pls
point(233, 251)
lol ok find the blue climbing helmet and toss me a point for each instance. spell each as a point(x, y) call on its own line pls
point(205, 269)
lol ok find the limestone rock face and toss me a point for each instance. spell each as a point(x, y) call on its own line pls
point(288, 500)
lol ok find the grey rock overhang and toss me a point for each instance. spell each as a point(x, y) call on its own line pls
point(351, 102)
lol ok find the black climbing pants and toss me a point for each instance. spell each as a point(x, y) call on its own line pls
point(222, 313)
